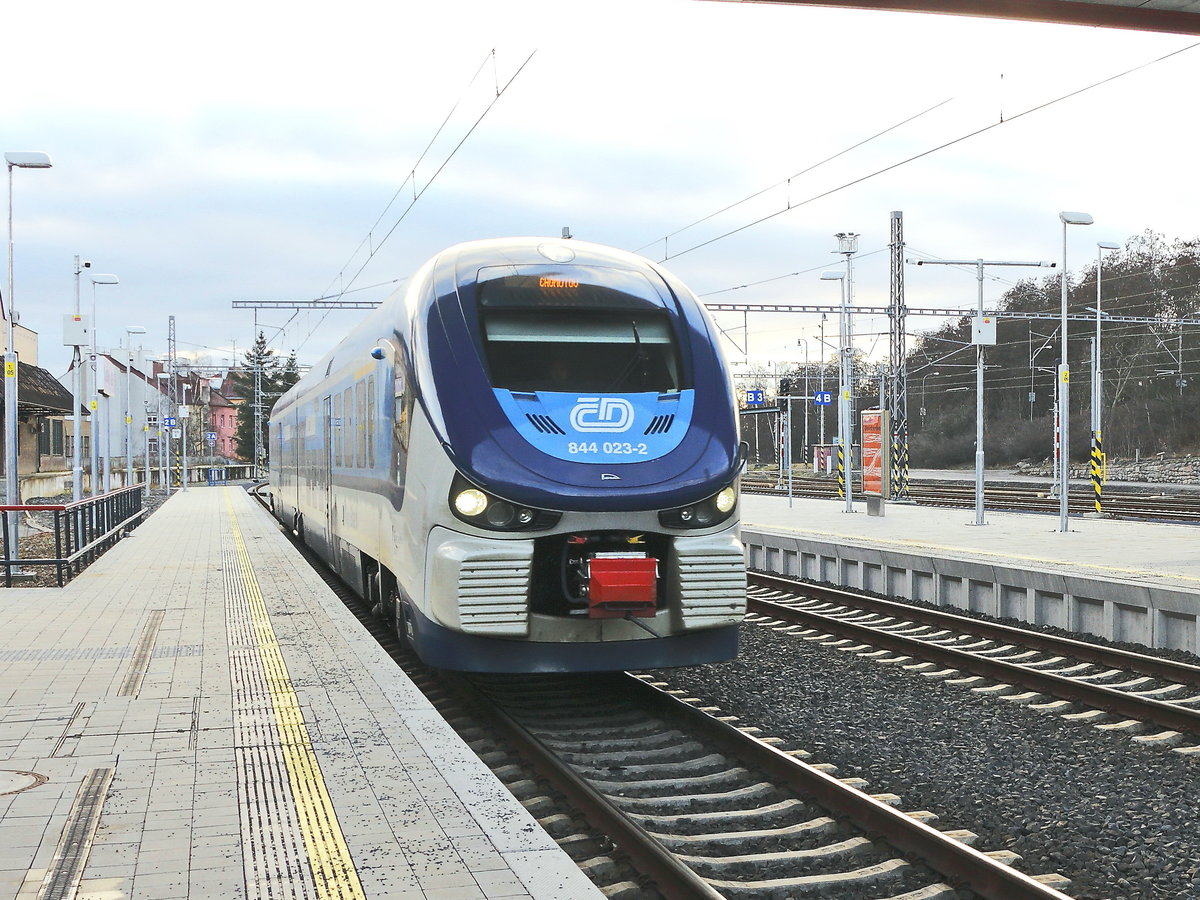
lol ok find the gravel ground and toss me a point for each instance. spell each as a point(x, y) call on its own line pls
point(1120, 820)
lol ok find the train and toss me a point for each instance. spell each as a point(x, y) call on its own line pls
point(527, 460)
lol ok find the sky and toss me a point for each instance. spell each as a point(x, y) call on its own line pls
point(263, 151)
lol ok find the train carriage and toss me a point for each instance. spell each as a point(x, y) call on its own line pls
point(527, 458)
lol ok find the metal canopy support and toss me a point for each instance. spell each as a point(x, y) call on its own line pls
point(1151, 15)
point(306, 304)
point(941, 313)
point(898, 366)
point(172, 395)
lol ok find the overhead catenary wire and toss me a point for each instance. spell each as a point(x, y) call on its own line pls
point(803, 171)
point(418, 192)
point(924, 153)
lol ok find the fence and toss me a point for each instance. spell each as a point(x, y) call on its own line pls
point(82, 530)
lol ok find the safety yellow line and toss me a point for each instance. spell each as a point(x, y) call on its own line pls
point(329, 856)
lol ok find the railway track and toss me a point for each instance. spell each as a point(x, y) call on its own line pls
point(1143, 505)
point(710, 810)
point(655, 796)
point(1111, 688)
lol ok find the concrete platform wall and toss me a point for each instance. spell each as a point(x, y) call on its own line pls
point(1119, 610)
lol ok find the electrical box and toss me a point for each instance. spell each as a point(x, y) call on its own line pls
point(77, 331)
point(983, 330)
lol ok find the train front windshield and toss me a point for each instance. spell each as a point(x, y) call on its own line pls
point(577, 330)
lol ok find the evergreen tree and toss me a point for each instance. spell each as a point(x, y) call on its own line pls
point(258, 356)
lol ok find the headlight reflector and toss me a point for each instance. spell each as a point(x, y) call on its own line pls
point(470, 502)
point(483, 510)
point(709, 511)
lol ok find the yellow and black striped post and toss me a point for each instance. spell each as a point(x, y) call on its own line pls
point(841, 473)
point(1098, 472)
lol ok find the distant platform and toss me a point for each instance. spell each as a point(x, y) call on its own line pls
point(198, 716)
point(1127, 581)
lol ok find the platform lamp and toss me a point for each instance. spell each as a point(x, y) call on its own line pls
point(184, 415)
point(164, 436)
point(94, 405)
point(1098, 379)
point(1064, 381)
point(130, 331)
point(29, 159)
point(844, 391)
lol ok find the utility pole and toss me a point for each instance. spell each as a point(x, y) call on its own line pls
point(172, 393)
point(983, 332)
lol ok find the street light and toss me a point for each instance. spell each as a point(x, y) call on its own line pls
point(164, 436)
point(807, 395)
point(77, 390)
point(846, 474)
point(130, 331)
point(14, 160)
point(95, 403)
point(923, 377)
point(184, 415)
point(1098, 384)
point(1064, 380)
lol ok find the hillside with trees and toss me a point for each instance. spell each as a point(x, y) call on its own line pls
point(1151, 369)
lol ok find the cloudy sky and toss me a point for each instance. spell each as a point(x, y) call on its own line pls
point(250, 151)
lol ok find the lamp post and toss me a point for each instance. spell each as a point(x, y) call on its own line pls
point(184, 415)
point(1064, 380)
point(1098, 385)
point(104, 402)
point(164, 437)
point(844, 393)
point(14, 160)
point(981, 338)
point(821, 385)
point(807, 395)
point(130, 331)
point(923, 377)
point(77, 389)
point(94, 406)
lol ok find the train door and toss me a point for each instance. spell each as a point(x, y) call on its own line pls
point(326, 464)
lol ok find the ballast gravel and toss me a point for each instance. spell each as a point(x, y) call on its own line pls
point(1119, 819)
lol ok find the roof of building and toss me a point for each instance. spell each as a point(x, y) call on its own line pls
point(39, 394)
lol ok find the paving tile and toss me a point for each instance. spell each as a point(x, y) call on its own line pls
point(412, 798)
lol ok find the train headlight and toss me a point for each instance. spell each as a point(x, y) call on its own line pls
point(500, 514)
point(470, 502)
point(483, 510)
point(709, 511)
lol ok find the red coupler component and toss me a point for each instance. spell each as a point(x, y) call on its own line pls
point(620, 586)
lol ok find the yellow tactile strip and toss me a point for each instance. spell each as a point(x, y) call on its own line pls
point(272, 738)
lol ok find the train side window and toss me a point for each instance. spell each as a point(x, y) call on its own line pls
point(335, 430)
point(370, 460)
point(347, 424)
point(360, 430)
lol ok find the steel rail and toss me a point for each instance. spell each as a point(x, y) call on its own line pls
point(954, 860)
point(672, 876)
point(1118, 702)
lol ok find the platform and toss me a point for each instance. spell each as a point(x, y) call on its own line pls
point(1128, 581)
point(198, 716)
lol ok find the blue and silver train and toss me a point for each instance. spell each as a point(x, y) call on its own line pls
point(527, 458)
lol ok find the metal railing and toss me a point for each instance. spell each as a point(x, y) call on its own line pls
point(82, 531)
